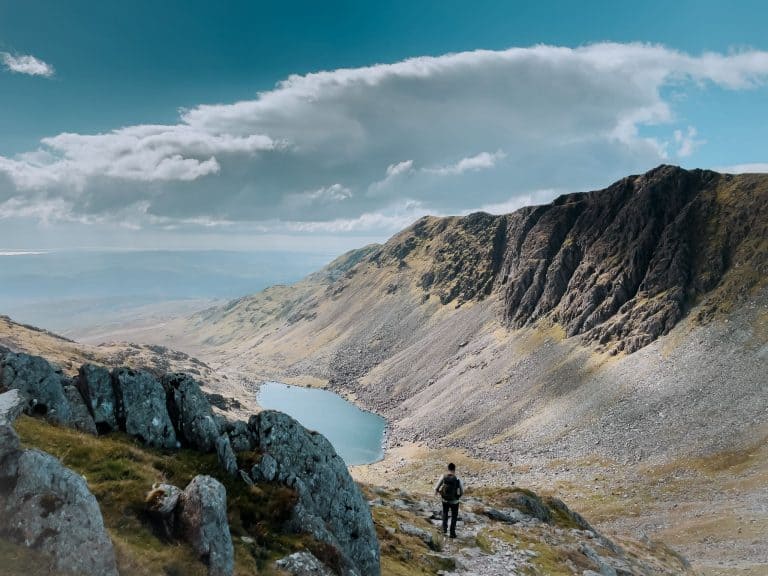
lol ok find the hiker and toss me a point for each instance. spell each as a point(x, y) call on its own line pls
point(450, 489)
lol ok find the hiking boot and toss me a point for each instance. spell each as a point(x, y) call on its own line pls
point(453, 535)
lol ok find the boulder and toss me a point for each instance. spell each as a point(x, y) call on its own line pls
point(330, 505)
point(190, 412)
point(95, 384)
point(50, 508)
point(303, 564)
point(79, 416)
point(40, 383)
point(161, 502)
point(142, 408)
point(202, 515)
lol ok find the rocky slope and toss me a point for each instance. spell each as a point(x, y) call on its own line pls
point(628, 324)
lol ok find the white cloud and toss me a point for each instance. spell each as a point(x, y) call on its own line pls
point(481, 161)
point(337, 150)
point(687, 142)
point(755, 167)
point(26, 64)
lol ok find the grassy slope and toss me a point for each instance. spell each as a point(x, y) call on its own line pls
point(120, 471)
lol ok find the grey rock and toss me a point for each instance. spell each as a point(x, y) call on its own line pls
point(191, 412)
point(11, 405)
point(202, 513)
point(142, 408)
point(39, 382)
point(162, 502)
point(303, 564)
point(511, 517)
point(239, 436)
point(330, 505)
point(95, 384)
point(51, 509)
point(605, 568)
point(268, 468)
point(226, 455)
point(411, 530)
point(79, 417)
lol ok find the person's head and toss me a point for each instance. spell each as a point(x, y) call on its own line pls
point(451, 467)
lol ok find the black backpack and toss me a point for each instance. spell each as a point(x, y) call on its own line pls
point(450, 488)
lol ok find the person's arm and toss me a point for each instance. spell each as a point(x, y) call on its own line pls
point(439, 484)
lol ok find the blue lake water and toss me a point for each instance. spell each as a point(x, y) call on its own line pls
point(356, 435)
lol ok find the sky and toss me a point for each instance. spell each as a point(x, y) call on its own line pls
point(322, 126)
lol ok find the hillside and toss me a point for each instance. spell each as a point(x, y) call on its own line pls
point(619, 334)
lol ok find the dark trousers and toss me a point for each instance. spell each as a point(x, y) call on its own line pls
point(454, 508)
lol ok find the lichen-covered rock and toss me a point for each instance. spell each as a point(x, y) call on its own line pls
point(39, 382)
point(142, 408)
point(227, 458)
point(239, 435)
point(79, 416)
point(268, 468)
point(303, 564)
point(190, 412)
point(51, 509)
point(202, 514)
point(330, 505)
point(95, 384)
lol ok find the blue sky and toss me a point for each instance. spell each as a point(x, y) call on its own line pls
point(156, 124)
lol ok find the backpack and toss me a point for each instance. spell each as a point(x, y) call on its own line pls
point(450, 488)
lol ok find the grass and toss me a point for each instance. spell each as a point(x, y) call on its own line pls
point(120, 472)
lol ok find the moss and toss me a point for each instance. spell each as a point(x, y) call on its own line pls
point(483, 542)
point(120, 471)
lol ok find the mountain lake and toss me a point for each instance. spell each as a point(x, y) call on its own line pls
point(357, 435)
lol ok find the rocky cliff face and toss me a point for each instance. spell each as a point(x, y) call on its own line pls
point(620, 266)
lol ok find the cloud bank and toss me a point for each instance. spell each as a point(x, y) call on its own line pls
point(366, 149)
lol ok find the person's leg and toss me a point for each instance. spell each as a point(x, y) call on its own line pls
point(454, 517)
point(446, 506)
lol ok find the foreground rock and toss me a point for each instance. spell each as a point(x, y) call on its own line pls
point(48, 507)
point(330, 505)
point(202, 514)
point(303, 564)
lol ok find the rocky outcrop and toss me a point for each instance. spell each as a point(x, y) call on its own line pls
point(202, 514)
point(190, 412)
point(330, 505)
point(79, 416)
point(619, 266)
point(95, 384)
point(40, 383)
point(141, 408)
point(48, 507)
